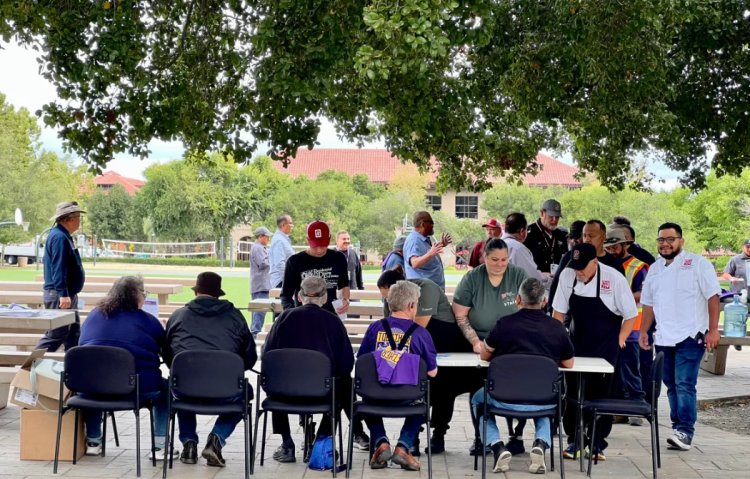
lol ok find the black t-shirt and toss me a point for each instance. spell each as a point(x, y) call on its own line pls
point(612, 261)
point(546, 249)
point(332, 267)
point(641, 254)
point(530, 331)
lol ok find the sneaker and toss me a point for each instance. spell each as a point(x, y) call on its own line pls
point(284, 454)
point(189, 452)
point(93, 449)
point(159, 454)
point(515, 446)
point(437, 444)
point(476, 448)
point(636, 421)
point(501, 456)
point(212, 452)
point(537, 465)
point(598, 454)
point(679, 441)
point(402, 457)
point(381, 456)
point(571, 452)
point(362, 441)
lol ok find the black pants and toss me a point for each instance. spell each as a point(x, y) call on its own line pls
point(64, 335)
point(597, 386)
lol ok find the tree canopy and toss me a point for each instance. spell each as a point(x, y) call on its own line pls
point(479, 86)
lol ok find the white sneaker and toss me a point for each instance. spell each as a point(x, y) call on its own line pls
point(93, 449)
point(679, 441)
point(159, 455)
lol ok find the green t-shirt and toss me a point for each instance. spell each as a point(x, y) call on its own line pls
point(488, 303)
point(432, 301)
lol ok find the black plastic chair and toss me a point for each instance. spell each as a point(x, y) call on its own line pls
point(204, 381)
point(633, 408)
point(107, 377)
point(524, 379)
point(297, 381)
point(376, 398)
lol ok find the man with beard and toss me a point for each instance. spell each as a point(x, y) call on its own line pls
point(546, 242)
point(681, 293)
point(422, 258)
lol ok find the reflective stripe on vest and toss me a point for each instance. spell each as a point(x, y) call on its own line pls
point(633, 266)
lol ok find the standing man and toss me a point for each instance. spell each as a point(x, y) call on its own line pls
point(396, 256)
point(63, 275)
point(635, 249)
point(208, 322)
point(736, 270)
point(317, 260)
point(492, 227)
point(681, 293)
point(547, 243)
point(344, 246)
point(603, 311)
point(422, 258)
point(260, 275)
point(281, 249)
point(595, 233)
point(518, 254)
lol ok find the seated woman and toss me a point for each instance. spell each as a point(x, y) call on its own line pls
point(403, 298)
point(119, 321)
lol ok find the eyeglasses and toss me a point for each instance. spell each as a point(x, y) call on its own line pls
point(668, 239)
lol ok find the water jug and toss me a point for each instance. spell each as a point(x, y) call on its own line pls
point(735, 318)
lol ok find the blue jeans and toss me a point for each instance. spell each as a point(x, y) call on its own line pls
point(542, 424)
point(681, 365)
point(409, 430)
point(93, 418)
point(223, 427)
point(630, 371)
point(259, 317)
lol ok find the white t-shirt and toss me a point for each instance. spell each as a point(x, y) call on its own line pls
point(614, 291)
point(679, 295)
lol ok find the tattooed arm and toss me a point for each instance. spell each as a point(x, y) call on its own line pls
point(462, 320)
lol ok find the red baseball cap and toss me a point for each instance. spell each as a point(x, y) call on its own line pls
point(318, 234)
point(491, 223)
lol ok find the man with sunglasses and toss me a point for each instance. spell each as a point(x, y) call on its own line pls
point(681, 293)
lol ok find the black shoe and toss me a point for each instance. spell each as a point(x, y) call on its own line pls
point(284, 454)
point(515, 446)
point(212, 452)
point(362, 441)
point(437, 443)
point(537, 465)
point(476, 448)
point(414, 449)
point(501, 456)
point(189, 452)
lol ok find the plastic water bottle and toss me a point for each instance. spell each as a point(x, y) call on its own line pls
point(735, 318)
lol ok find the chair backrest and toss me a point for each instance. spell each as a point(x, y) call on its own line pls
point(100, 371)
point(207, 374)
point(523, 379)
point(657, 373)
point(296, 373)
point(367, 385)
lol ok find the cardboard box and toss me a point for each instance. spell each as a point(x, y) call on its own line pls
point(38, 431)
point(6, 376)
point(47, 396)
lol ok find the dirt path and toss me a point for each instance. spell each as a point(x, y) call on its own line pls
point(727, 417)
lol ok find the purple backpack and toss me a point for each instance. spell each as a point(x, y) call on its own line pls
point(394, 365)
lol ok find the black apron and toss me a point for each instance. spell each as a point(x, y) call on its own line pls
point(596, 330)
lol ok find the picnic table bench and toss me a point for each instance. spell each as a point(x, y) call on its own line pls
point(715, 362)
point(181, 280)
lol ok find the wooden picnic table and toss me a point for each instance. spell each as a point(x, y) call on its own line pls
point(274, 305)
point(358, 294)
point(161, 290)
point(183, 280)
point(42, 320)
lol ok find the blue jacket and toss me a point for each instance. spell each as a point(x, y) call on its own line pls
point(63, 270)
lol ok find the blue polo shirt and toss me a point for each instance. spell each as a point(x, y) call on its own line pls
point(418, 245)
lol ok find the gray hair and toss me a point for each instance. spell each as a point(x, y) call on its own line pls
point(402, 294)
point(532, 292)
point(123, 296)
point(313, 290)
point(282, 220)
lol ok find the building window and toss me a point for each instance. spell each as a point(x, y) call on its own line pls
point(435, 202)
point(467, 207)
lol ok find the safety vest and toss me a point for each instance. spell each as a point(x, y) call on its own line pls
point(632, 267)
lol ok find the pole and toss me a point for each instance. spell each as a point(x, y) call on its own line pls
point(95, 248)
point(232, 253)
point(221, 250)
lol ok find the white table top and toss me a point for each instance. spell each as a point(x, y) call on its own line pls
point(580, 364)
point(36, 320)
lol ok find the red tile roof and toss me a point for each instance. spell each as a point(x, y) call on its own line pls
point(110, 178)
point(379, 166)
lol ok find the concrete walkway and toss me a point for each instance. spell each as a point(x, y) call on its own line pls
point(716, 454)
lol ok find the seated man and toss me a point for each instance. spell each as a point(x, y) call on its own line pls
point(528, 331)
point(403, 298)
point(311, 327)
point(208, 322)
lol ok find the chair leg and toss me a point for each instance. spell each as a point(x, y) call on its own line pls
point(350, 441)
point(255, 438)
point(593, 441)
point(560, 440)
point(483, 436)
point(57, 441)
point(658, 441)
point(551, 446)
point(168, 446)
point(263, 439)
point(653, 444)
point(247, 445)
point(171, 441)
point(250, 450)
point(104, 434)
point(153, 442)
point(429, 442)
point(137, 444)
point(333, 440)
point(341, 440)
point(114, 427)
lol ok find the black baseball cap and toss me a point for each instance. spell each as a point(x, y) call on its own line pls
point(581, 256)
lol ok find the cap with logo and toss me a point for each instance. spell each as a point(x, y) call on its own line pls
point(581, 256)
point(615, 236)
point(552, 207)
point(491, 223)
point(318, 234)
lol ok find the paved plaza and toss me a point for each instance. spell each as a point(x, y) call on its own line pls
point(715, 453)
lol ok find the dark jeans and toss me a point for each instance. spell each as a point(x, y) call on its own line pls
point(597, 386)
point(629, 378)
point(223, 427)
point(259, 317)
point(409, 430)
point(647, 363)
point(681, 365)
point(64, 335)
